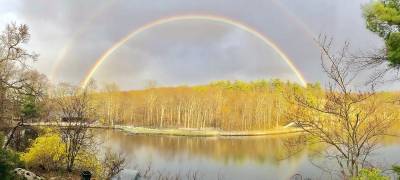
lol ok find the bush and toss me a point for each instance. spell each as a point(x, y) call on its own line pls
point(9, 160)
point(371, 174)
point(47, 153)
point(86, 161)
point(113, 164)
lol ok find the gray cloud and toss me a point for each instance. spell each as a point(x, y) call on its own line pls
point(186, 52)
point(224, 53)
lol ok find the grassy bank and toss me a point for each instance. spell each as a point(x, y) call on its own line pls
point(185, 131)
point(206, 132)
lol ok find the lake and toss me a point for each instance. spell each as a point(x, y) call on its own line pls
point(256, 157)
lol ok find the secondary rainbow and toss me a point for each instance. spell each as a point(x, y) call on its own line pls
point(214, 18)
point(74, 37)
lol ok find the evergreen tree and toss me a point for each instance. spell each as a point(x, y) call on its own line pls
point(383, 18)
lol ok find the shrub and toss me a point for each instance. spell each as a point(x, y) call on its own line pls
point(86, 161)
point(47, 152)
point(371, 174)
point(113, 164)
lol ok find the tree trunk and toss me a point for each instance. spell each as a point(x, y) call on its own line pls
point(11, 134)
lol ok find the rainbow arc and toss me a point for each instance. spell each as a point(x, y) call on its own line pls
point(268, 42)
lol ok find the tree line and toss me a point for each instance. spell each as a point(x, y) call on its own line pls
point(227, 105)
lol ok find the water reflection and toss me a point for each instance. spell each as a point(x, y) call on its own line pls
point(262, 157)
point(227, 150)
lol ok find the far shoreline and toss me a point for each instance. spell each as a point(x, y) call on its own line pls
point(206, 132)
point(194, 132)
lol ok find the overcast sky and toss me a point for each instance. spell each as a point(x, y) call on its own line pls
point(188, 51)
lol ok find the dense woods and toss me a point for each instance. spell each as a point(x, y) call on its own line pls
point(226, 105)
point(223, 105)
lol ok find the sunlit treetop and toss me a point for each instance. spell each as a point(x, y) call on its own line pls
point(273, 84)
point(383, 18)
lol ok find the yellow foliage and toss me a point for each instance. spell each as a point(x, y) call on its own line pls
point(89, 161)
point(47, 151)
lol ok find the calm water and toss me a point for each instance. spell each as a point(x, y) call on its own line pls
point(261, 157)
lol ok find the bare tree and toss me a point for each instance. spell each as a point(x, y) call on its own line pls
point(17, 80)
point(113, 164)
point(345, 119)
point(13, 63)
point(111, 89)
point(76, 111)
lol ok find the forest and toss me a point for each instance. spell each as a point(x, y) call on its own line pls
point(225, 105)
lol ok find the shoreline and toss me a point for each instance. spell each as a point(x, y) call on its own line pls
point(206, 132)
point(186, 131)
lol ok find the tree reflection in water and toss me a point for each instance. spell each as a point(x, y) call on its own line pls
point(260, 149)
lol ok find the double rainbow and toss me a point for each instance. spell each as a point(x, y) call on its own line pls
point(166, 20)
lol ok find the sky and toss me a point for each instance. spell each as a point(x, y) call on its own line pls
point(71, 35)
